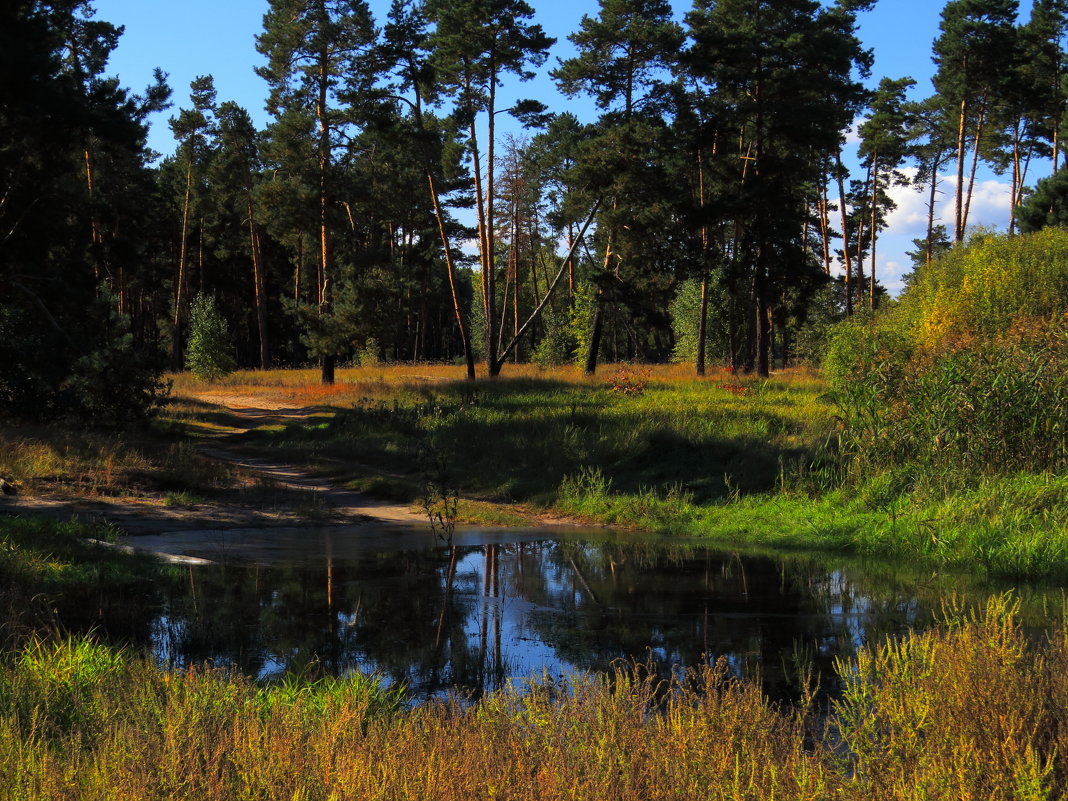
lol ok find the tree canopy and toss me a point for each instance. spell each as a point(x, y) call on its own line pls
point(707, 210)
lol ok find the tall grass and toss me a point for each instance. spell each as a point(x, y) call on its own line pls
point(53, 570)
point(953, 410)
point(57, 460)
point(972, 709)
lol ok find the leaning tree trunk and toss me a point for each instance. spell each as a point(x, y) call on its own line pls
point(179, 284)
point(469, 356)
point(958, 232)
point(845, 237)
point(257, 278)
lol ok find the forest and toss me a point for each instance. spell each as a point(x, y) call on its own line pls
point(381, 216)
point(731, 520)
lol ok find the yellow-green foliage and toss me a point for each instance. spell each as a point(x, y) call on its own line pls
point(982, 289)
point(969, 371)
point(974, 709)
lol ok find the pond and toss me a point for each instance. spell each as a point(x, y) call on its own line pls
point(501, 606)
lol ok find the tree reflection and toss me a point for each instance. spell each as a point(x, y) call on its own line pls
point(474, 617)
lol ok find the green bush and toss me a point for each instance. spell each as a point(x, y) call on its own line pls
point(968, 373)
point(980, 290)
point(558, 344)
point(208, 355)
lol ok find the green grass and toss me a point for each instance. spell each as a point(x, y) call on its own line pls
point(687, 457)
point(517, 439)
point(56, 575)
point(141, 462)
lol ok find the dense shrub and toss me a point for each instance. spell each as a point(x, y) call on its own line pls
point(92, 370)
point(969, 372)
point(981, 290)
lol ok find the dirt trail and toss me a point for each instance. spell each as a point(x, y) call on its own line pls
point(282, 495)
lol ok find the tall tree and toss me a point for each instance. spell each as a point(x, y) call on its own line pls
point(624, 54)
point(977, 37)
point(405, 40)
point(475, 44)
point(1028, 115)
point(192, 129)
point(66, 229)
point(784, 87)
point(933, 142)
point(884, 145)
point(234, 170)
point(319, 69)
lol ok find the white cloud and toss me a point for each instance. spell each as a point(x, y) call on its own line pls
point(990, 206)
point(852, 134)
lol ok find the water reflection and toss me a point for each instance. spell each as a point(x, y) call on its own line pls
point(495, 607)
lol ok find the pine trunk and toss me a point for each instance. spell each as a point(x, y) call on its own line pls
point(958, 230)
point(469, 357)
point(845, 236)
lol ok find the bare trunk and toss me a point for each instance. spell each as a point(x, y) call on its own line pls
point(299, 269)
point(763, 319)
point(258, 279)
point(488, 304)
point(324, 289)
point(595, 336)
point(179, 284)
point(958, 232)
point(931, 212)
point(469, 357)
point(549, 290)
point(570, 264)
point(702, 317)
point(825, 228)
point(874, 225)
point(975, 163)
point(491, 354)
point(702, 324)
point(1015, 177)
point(845, 236)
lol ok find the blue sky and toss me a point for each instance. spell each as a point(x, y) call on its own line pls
point(198, 37)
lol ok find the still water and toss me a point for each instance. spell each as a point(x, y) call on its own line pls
point(501, 606)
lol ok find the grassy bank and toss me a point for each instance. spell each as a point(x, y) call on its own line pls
point(736, 460)
point(57, 575)
point(973, 709)
point(65, 461)
point(518, 438)
point(733, 459)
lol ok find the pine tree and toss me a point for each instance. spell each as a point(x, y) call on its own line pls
point(977, 38)
point(208, 355)
point(884, 145)
point(192, 128)
point(320, 71)
point(70, 232)
point(474, 44)
point(781, 84)
point(405, 41)
point(624, 54)
point(233, 176)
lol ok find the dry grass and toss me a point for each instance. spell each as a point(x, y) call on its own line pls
point(65, 462)
point(304, 388)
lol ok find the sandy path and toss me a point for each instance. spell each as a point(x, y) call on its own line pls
point(255, 411)
point(330, 505)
